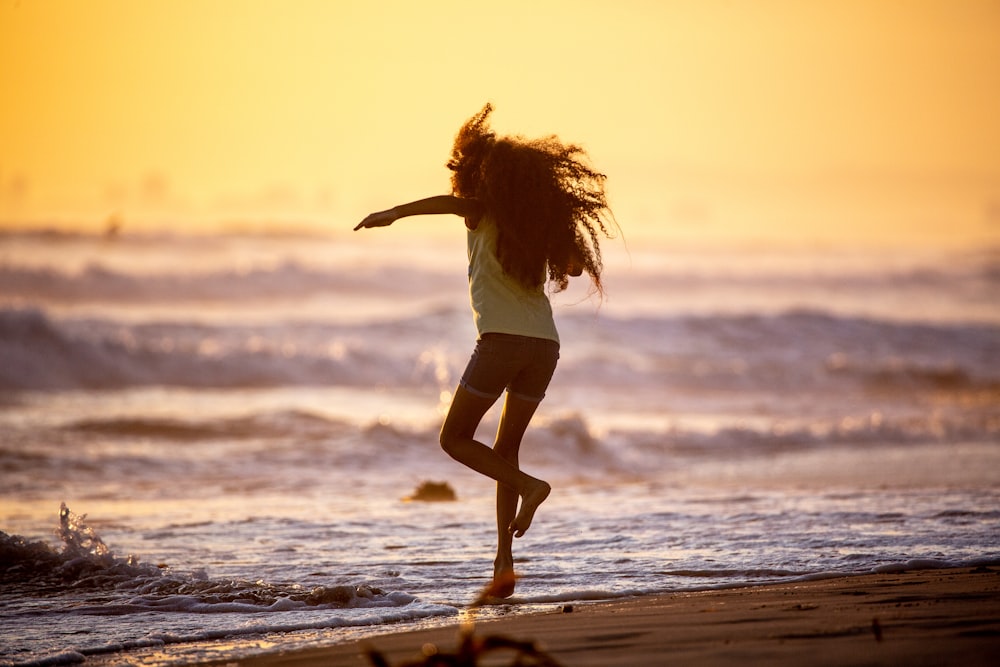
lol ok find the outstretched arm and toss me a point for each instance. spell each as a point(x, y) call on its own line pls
point(441, 204)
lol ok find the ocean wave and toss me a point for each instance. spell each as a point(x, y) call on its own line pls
point(745, 441)
point(563, 446)
point(288, 279)
point(84, 562)
point(96, 582)
point(791, 351)
point(291, 423)
point(563, 436)
point(902, 374)
point(262, 266)
point(40, 353)
point(86, 565)
point(795, 350)
point(729, 573)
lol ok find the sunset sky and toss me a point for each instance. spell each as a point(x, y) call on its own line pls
point(774, 119)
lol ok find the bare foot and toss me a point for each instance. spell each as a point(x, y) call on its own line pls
point(502, 584)
point(503, 581)
point(529, 503)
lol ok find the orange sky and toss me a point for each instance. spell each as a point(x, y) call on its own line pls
point(713, 119)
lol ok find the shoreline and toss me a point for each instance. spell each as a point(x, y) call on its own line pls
point(916, 617)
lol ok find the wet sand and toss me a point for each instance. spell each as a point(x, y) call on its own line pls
point(925, 617)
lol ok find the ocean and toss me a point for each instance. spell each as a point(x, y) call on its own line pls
point(209, 443)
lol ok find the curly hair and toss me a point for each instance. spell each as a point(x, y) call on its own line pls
point(549, 206)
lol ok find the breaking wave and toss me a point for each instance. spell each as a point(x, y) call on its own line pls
point(795, 350)
point(39, 353)
point(86, 565)
point(567, 445)
point(91, 580)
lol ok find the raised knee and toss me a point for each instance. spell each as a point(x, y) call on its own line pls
point(447, 441)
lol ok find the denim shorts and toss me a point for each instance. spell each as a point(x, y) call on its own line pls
point(520, 364)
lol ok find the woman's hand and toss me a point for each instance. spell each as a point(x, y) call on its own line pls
point(380, 219)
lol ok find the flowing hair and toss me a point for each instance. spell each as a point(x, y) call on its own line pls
point(549, 205)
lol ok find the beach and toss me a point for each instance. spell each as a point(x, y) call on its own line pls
point(238, 425)
point(772, 436)
point(925, 617)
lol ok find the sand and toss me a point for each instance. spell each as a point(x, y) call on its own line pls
point(926, 617)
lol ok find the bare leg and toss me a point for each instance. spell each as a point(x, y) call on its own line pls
point(503, 565)
point(458, 440)
point(517, 413)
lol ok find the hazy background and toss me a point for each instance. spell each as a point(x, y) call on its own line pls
point(849, 121)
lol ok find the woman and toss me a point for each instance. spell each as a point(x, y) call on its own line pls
point(534, 212)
